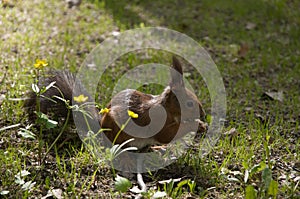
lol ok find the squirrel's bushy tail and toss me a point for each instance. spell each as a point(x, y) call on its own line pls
point(65, 88)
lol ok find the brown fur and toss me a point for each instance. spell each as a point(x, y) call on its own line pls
point(140, 103)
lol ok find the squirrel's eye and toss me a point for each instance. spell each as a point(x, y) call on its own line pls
point(190, 104)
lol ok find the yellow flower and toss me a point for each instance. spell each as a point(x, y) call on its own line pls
point(40, 64)
point(132, 114)
point(81, 98)
point(104, 110)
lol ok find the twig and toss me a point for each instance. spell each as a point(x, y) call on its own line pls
point(10, 127)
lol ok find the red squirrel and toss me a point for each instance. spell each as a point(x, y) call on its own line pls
point(182, 110)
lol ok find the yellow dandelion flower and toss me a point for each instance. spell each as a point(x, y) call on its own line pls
point(81, 98)
point(40, 64)
point(132, 114)
point(104, 110)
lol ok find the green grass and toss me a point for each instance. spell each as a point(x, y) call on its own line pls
point(267, 131)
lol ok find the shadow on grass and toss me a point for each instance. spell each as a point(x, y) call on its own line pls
point(226, 20)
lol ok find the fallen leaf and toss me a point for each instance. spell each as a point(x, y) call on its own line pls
point(115, 33)
point(4, 192)
point(244, 48)
point(57, 193)
point(278, 96)
point(259, 116)
point(2, 98)
point(248, 108)
point(231, 132)
point(159, 194)
point(250, 26)
point(73, 3)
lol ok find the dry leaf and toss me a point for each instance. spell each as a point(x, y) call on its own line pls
point(2, 98)
point(250, 26)
point(244, 48)
point(73, 3)
point(231, 132)
point(273, 96)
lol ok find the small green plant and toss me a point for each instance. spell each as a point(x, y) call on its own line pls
point(117, 149)
point(176, 187)
point(122, 184)
point(267, 186)
point(42, 121)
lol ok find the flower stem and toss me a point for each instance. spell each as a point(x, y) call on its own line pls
point(60, 133)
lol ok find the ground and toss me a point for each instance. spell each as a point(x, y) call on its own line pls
point(255, 45)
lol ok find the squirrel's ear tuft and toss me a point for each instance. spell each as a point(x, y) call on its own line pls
point(177, 65)
point(176, 73)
